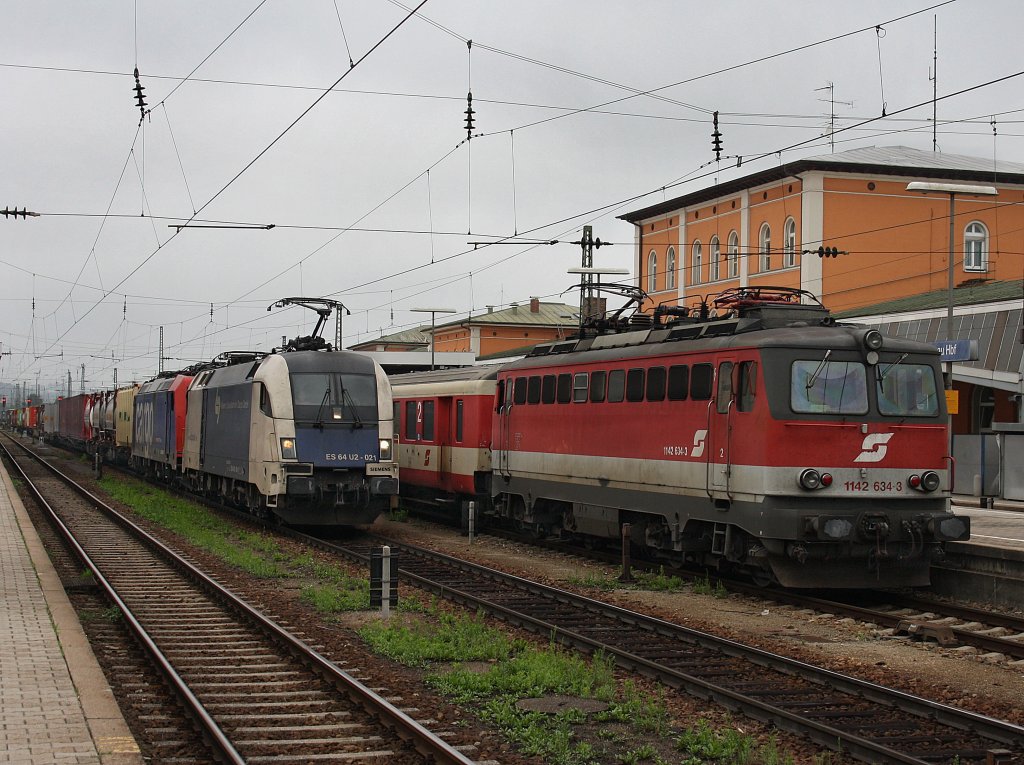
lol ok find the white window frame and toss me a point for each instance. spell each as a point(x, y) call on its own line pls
point(697, 260)
point(734, 255)
point(652, 272)
point(716, 257)
point(764, 247)
point(670, 269)
point(975, 246)
point(789, 243)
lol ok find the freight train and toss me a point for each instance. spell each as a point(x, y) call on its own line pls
point(303, 436)
point(770, 439)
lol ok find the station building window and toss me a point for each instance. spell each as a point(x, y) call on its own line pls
point(975, 247)
point(764, 246)
point(789, 243)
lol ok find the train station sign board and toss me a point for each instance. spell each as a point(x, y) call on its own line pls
point(957, 350)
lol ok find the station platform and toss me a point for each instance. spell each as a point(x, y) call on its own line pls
point(55, 704)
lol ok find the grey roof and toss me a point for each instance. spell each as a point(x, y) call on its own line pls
point(904, 157)
point(405, 337)
point(548, 315)
point(967, 294)
point(877, 160)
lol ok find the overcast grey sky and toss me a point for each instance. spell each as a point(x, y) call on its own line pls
point(97, 275)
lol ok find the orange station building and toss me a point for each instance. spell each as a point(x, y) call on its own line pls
point(891, 262)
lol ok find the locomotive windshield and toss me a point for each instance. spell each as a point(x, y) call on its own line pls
point(908, 390)
point(829, 387)
point(334, 398)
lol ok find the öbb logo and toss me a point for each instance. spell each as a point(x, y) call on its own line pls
point(874, 447)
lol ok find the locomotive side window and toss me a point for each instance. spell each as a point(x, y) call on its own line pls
point(828, 387)
point(700, 382)
point(547, 391)
point(598, 384)
point(746, 386)
point(656, 384)
point(564, 392)
point(907, 390)
point(265, 401)
point(410, 420)
point(533, 392)
point(579, 387)
point(635, 385)
point(724, 386)
point(428, 420)
point(459, 406)
point(678, 382)
point(519, 394)
point(617, 385)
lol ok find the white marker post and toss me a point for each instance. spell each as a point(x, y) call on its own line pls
point(385, 581)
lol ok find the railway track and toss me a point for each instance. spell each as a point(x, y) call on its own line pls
point(870, 722)
point(949, 625)
point(255, 693)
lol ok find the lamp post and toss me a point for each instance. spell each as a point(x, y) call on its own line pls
point(951, 189)
point(433, 312)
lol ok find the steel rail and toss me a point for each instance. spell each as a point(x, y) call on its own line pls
point(423, 740)
point(997, 731)
point(211, 731)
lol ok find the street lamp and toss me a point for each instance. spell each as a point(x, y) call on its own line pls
point(433, 312)
point(952, 189)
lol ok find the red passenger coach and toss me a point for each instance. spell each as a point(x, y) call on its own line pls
point(444, 423)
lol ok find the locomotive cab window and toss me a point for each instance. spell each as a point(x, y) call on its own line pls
point(746, 386)
point(335, 397)
point(828, 387)
point(265, 401)
point(724, 396)
point(907, 390)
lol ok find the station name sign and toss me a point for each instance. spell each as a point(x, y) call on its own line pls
point(957, 350)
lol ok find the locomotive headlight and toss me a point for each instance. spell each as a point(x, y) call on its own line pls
point(873, 340)
point(385, 449)
point(930, 480)
point(810, 479)
point(288, 448)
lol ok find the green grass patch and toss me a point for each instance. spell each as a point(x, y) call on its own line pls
point(660, 581)
point(448, 638)
point(348, 595)
point(703, 586)
point(252, 552)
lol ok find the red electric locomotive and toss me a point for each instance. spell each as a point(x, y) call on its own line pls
point(771, 440)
